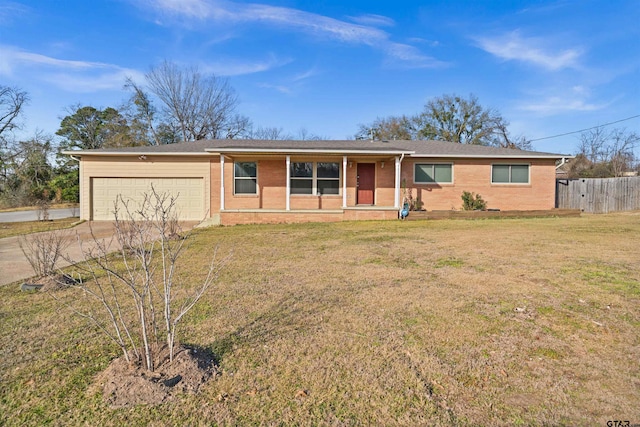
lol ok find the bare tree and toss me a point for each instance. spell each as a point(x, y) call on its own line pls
point(139, 298)
point(603, 153)
point(12, 102)
point(387, 129)
point(268, 134)
point(201, 107)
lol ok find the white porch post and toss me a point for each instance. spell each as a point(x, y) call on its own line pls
point(221, 182)
point(82, 195)
point(288, 183)
point(397, 183)
point(344, 181)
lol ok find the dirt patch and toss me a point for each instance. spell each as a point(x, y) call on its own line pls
point(55, 282)
point(125, 384)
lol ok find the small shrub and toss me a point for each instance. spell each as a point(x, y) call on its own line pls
point(43, 250)
point(473, 202)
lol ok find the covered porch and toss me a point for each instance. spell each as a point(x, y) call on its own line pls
point(259, 187)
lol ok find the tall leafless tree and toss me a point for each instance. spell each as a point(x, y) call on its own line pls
point(12, 102)
point(201, 106)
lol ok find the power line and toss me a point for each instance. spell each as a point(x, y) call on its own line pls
point(584, 130)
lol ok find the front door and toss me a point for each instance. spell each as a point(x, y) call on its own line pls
point(366, 183)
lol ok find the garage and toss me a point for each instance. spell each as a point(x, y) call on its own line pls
point(189, 192)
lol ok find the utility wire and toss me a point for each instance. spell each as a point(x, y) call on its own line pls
point(584, 130)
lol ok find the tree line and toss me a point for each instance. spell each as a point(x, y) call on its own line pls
point(179, 104)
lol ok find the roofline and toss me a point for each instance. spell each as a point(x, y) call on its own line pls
point(495, 156)
point(133, 153)
point(306, 151)
point(213, 151)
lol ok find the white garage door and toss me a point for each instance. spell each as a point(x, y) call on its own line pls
point(189, 192)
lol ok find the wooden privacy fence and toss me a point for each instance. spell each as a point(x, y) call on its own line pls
point(598, 195)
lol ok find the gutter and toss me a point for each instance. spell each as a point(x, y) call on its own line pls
point(136, 154)
point(485, 156)
point(307, 151)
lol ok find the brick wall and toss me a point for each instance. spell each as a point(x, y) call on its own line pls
point(468, 175)
point(474, 175)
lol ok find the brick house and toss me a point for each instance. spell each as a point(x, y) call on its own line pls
point(248, 181)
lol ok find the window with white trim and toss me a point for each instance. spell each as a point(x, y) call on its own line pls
point(245, 178)
point(315, 178)
point(510, 174)
point(433, 173)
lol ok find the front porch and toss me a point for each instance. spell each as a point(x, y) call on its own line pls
point(294, 185)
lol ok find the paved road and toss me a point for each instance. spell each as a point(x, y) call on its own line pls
point(21, 216)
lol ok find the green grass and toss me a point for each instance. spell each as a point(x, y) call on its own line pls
point(381, 323)
point(9, 229)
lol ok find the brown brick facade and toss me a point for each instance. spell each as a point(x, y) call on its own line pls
point(474, 175)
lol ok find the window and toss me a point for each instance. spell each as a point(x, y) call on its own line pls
point(315, 178)
point(432, 173)
point(510, 174)
point(245, 178)
point(328, 178)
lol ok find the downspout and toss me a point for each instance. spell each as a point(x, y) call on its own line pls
point(562, 163)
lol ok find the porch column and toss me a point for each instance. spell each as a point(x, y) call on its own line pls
point(288, 183)
point(221, 182)
point(81, 189)
point(397, 183)
point(344, 181)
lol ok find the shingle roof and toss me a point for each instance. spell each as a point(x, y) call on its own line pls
point(409, 148)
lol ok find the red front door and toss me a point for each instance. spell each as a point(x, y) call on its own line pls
point(366, 183)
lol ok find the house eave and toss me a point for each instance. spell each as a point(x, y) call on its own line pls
point(307, 151)
point(82, 153)
point(485, 156)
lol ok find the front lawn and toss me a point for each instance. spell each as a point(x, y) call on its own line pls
point(9, 229)
point(489, 322)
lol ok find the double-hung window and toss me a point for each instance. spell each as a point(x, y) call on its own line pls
point(245, 178)
point(315, 178)
point(433, 173)
point(510, 174)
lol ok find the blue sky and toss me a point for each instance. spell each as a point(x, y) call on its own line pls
point(549, 67)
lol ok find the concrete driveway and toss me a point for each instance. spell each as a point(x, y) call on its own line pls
point(14, 265)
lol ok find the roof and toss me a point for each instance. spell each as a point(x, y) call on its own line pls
point(408, 148)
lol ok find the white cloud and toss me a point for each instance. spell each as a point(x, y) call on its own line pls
point(11, 10)
point(278, 88)
point(235, 68)
point(70, 75)
point(533, 50)
point(374, 20)
point(574, 99)
point(305, 75)
point(363, 33)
